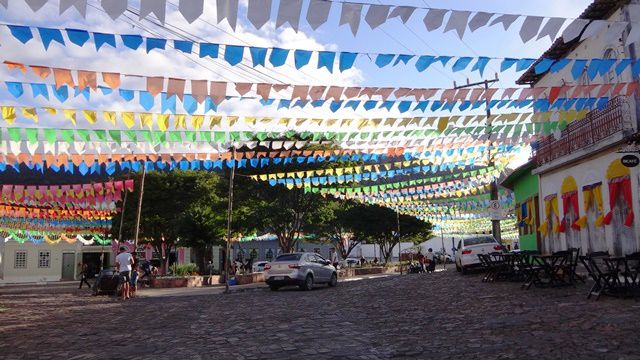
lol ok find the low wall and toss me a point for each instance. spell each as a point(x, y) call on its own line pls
point(249, 278)
point(172, 282)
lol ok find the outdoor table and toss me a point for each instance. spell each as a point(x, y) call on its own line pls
point(623, 275)
point(551, 266)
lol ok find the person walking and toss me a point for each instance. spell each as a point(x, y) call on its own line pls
point(334, 259)
point(124, 260)
point(84, 271)
point(133, 286)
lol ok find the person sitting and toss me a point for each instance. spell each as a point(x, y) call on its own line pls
point(421, 261)
point(431, 267)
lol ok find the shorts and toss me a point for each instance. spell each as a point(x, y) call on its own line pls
point(125, 276)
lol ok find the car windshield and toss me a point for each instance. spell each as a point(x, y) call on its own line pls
point(479, 240)
point(288, 257)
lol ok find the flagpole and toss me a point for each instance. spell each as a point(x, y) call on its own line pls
point(135, 239)
point(229, 218)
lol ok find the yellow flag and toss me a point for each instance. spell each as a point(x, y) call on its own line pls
point(442, 123)
point(331, 122)
point(215, 121)
point(90, 116)
point(146, 120)
point(163, 122)
point(70, 115)
point(50, 110)
point(232, 120)
point(180, 121)
point(250, 120)
point(128, 118)
point(109, 116)
point(30, 113)
point(197, 121)
point(263, 177)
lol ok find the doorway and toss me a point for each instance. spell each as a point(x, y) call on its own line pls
point(68, 260)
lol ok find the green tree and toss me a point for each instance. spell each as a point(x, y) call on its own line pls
point(378, 225)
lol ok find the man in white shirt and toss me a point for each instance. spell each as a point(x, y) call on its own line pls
point(431, 259)
point(124, 260)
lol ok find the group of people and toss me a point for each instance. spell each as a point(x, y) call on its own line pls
point(427, 262)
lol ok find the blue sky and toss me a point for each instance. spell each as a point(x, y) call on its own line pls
point(391, 37)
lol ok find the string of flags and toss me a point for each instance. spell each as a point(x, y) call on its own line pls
point(317, 13)
point(218, 91)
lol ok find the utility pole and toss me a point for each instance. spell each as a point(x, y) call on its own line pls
point(399, 240)
point(135, 239)
point(495, 224)
point(229, 218)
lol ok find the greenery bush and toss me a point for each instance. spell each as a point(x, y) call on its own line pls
point(185, 269)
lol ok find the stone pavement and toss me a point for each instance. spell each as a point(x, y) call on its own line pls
point(440, 315)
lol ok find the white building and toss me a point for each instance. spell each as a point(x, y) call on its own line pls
point(587, 197)
point(29, 262)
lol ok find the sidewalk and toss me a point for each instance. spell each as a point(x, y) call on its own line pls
point(219, 289)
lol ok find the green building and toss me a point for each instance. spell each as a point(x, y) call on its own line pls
point(525, 187)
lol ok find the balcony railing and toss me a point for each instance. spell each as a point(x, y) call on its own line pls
point(597, 125)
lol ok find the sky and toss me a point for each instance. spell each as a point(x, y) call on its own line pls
point(391, 37)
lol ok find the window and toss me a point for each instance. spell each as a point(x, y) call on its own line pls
point(21, 260)
point(288, 257)
point(44, 258)
point(479, 240)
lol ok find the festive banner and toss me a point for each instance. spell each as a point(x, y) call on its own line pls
point(290, 12)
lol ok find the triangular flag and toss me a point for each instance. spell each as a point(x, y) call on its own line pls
point(479, 20)
point(289, 12)
point(114, 8)
point(551, 28)
point(434, 18)
point(259, 12)
point(191, 9)
point(458, 22)
point(157, 7)
point(403, 12)
point(351, 15)
point(36, 5)
point(80, 5)
point(377, 15)
point(318, 12)
point(530, 27)
point(227, 9)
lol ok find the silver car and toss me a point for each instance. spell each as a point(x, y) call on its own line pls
point(302, 269)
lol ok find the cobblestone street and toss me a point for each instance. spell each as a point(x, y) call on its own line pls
point(441, 315)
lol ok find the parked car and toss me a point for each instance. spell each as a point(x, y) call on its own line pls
point(108, 281)
point(469, 248)
point(443, 258)
point(301, 269)
point(259, 266)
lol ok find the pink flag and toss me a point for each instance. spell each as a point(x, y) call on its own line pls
point(217, 91)
point(155, 84)
point(263, 90)
point(176, 87)
point(199, 90)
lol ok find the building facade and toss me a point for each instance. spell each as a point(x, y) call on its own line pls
point(587, 198)
point(524, 185)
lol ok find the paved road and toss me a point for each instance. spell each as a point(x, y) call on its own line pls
point(440, 315)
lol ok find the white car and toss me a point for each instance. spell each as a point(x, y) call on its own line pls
point(468, 249)
point(259, 266)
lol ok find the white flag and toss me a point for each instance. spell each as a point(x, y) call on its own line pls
point(259, 12)
point(227, 9)
point(479, 20)
point(458, 22)
point(634, 34)
point(506, 20)
point(351, 15)
point(318, 12)
point(36, 5)
point(403, 12)
point(551, 28)
point(434, 18)
point(377, 15)
point(594, 28)
point(114, 8)
point(289, 12)
point(191, 9)
point(530, 27)
point(574, 29)
point(157, 7)
point(80, 5)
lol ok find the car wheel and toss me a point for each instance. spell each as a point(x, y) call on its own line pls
point(458, 267)
point(274, 287)
point(463, 270)
point(334, 280)
point(308, 283)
